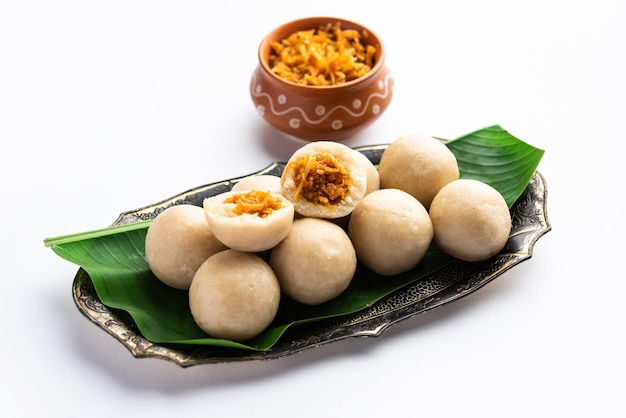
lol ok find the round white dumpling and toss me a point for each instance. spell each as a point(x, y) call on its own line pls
point(471, 220)
point(373, 177)
point(315, 262)
point(178, 241)
point(391, 231)
point(418, 164)
point(234, 295)
point(250, 221)
point(265, 182)
point(324, 179)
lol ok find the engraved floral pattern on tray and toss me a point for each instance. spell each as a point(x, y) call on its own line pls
point(530, 222)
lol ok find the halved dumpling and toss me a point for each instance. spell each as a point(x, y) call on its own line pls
point(249, 221)
point(324, 179)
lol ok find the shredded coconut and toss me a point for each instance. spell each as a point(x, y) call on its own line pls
point(324, 56)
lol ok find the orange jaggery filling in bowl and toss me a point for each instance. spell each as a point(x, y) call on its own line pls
point(255, 202)
point(321, 179)
point(324, 56)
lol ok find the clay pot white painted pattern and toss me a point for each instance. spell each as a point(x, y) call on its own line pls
point(315, 113)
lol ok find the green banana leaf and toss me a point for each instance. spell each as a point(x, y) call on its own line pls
point(497, 158)
point(115, 260)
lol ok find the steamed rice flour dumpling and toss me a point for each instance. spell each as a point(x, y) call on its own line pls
point(315, 262)
point(177, 243)
point(391, 231)
point(234, 295)
point(419, 165)
point(325, 180)
point(471, 220)
point(265, 182)
point(250, 221)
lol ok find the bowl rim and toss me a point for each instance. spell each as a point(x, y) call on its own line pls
point(306, 23)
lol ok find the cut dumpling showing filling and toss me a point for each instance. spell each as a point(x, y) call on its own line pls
point(234, 295)
point(324, 180)
point(178, 241)
point(250, 221)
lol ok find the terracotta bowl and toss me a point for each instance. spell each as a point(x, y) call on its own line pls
point(314, 113)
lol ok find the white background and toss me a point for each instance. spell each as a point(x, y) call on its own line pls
point(106, 106)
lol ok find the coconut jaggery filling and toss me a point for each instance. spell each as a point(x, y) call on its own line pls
point(321, 179)
point(328, 55)
point(255, 202)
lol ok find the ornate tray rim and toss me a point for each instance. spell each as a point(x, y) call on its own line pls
point(530, 222)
